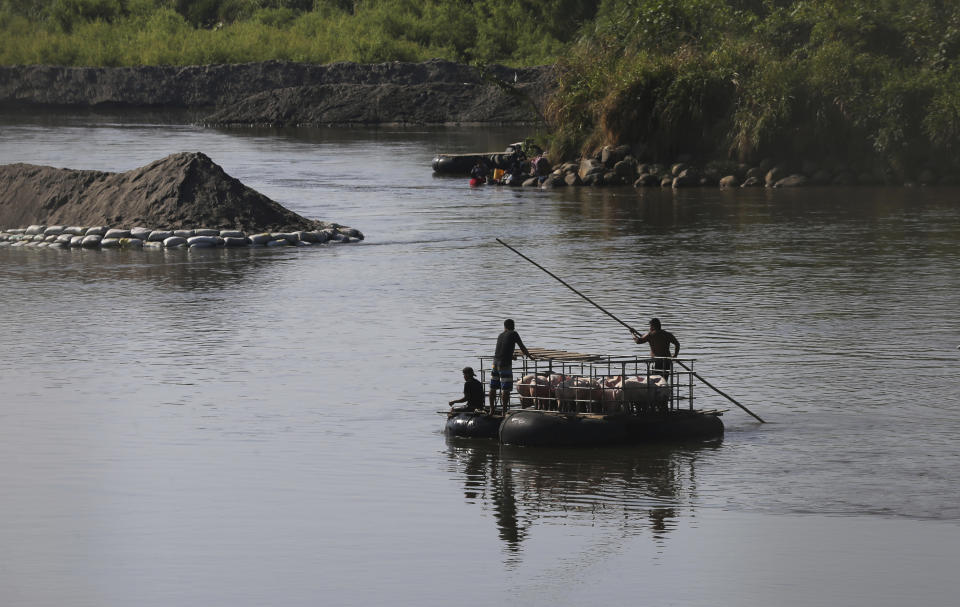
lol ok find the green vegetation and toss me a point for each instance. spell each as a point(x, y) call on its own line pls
point(873, 80)
point(875, 83)
point(191, 32)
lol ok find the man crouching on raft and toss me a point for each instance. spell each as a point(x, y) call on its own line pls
point(659, 340)
point(501, 378)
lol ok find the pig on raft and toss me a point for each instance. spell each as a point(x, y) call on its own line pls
point(605, 394)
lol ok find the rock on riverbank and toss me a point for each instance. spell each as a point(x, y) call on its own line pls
point(181, 191)
point(618, 166)
point(278, 92)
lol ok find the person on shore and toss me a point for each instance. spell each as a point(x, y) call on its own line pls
point(472, 392)
point(513, 176)
point(540, 168)
point(501, 378)
point(659, 340)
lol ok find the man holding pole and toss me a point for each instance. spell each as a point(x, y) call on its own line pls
point(501, 378)
point(659, 340)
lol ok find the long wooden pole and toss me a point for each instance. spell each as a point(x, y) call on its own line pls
point(721, 392)
point(632, 330)
point(561, 281)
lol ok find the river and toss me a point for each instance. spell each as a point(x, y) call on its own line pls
point(260, 427)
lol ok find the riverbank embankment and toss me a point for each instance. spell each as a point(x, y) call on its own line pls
point(283, 93)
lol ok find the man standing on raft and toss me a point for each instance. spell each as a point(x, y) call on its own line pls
point(659, 340)
point(501, 378)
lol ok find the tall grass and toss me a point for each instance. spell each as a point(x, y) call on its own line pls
point(151, 32)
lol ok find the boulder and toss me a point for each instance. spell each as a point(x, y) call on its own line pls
point(775, 174)
point(590, 166)
point(752, 182)
point(612, 179)
point(625, 170)
point(646, 180)
point(729, 181)
point(792, 181)
point(593, 179)
point(611, 155)
point(552, 181)
point(687, 178)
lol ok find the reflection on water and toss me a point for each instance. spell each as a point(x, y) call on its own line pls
point(190, 270)
point(249, 427)
point(630, 489)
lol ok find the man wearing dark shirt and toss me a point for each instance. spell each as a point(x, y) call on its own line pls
point(659, 340)
point(501, 378)
point(472, 392)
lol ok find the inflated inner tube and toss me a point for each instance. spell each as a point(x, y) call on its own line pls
point(472, 424)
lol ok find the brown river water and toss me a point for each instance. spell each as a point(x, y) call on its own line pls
point(260, 427)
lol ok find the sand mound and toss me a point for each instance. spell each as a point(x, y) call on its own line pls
point(185, 190)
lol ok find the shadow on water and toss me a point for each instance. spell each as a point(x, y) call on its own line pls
point(633, 489)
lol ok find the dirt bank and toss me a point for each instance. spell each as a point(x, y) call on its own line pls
point(185, 190)
point(277, 92)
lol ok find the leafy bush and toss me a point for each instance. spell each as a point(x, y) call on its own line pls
point(869, 82)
